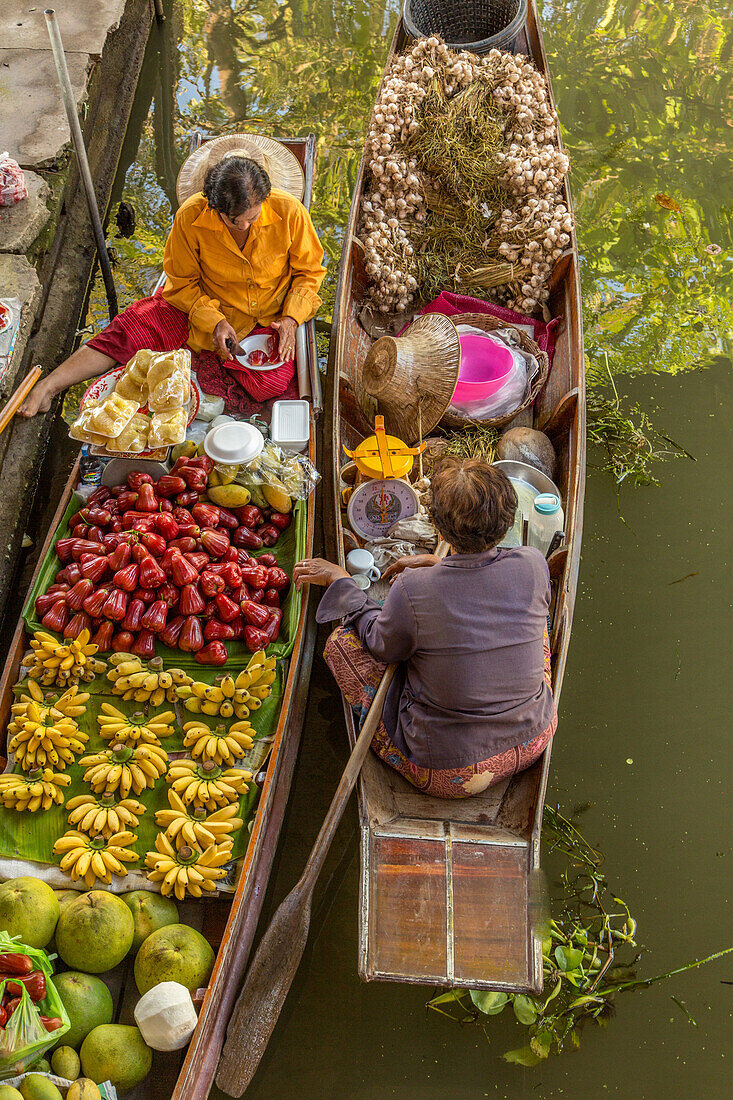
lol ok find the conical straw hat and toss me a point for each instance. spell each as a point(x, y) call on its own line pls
point(410, 379)
point(280, 164)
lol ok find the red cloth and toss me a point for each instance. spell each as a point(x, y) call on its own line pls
point(449, 304)
point(155, 324)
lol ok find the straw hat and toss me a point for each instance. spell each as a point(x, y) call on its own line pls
point(410, 379)
point(280, 164)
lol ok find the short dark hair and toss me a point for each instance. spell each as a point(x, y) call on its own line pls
point(472, 504)
point(236, 184)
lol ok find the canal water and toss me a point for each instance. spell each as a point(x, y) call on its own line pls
point(642, 758)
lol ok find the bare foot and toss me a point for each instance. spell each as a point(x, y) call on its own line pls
point(38, 400)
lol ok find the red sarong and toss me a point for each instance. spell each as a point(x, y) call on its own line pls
point(154, 324)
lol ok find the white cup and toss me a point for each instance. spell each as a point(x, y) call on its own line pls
point(361, 582)
point(361, 561)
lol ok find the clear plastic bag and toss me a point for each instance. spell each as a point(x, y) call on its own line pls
point(12, 181)
point(513, 392)
point(24, 1039)
point(274, 474)
point(169, 381)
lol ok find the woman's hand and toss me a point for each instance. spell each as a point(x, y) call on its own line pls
point(414, 561)
point(285, 329)
point(39, 399)
point(317, 571)
point(222, 333)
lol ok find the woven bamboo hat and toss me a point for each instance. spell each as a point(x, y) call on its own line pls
point(280, 164)
point(410, 379)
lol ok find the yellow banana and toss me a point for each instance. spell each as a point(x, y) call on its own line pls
point(187, 871)
point(93, 858)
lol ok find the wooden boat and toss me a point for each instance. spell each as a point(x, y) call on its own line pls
point(447, 886)
point(228, 924)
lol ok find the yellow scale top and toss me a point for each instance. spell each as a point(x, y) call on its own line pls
point(383, 456)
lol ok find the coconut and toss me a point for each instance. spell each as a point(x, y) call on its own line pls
point(530, 446)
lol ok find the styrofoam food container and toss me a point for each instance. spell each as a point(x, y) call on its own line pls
point(290, 425)
point(233, 443)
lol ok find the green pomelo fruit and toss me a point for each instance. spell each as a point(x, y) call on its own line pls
point(116, 1053)
point(28, 909)
point(87, 1001)
point(65, 1063)
point(94, 932)
point(150, 912)
point(41, 1066)
point(175, 953)
point(36, 1087)
point(7, 1092)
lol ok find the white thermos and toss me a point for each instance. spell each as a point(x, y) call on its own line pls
point(546, 518)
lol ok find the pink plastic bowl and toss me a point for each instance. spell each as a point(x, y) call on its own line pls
point(485, 367)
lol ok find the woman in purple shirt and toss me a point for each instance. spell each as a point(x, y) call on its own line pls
point(471, 701)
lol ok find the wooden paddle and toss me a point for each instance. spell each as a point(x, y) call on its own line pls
point(278, 956)
point(18, 397)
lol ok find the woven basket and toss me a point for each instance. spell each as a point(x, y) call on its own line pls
point(475, 25)
point(489, 324)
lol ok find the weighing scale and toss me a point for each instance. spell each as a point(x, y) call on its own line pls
point(385, 496)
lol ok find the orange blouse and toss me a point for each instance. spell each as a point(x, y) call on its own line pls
point(276, 274)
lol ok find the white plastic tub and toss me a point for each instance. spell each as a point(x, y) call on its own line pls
point(290, 425)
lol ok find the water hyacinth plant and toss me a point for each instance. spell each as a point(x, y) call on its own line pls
point(589, 954)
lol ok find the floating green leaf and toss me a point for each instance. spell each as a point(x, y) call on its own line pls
point(490, 1002)
point(525, 1009)
point(568, 958)
point(522, 1056)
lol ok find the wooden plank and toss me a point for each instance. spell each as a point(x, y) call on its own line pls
point(406, 918)
point(490, 903)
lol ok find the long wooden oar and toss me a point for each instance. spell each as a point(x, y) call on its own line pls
point(18, 397)
point(278, 956)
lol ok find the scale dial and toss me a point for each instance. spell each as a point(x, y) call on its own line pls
point(376, 506)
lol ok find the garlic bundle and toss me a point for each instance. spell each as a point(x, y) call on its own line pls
point(529, 233)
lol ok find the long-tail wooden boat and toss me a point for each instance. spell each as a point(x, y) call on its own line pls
point(447, 887)
point(228, 923)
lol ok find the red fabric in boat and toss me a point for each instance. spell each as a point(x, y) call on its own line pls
point(155, 324)
point(449, 304)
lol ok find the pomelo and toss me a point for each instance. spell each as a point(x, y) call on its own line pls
point(7, 1092)
point(29, 909)
point(83, 1089)
point(175, 953)
point(116, 1053)
point(67, 895)
point(87, 1001)
point(95, 932)
point(150, 912)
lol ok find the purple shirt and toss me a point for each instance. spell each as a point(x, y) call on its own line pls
point(469, 634)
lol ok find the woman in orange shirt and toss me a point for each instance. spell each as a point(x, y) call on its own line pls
point(241, 254)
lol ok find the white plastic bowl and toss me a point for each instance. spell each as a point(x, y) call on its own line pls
point(233, 443)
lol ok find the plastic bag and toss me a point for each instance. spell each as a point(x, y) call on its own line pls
point(12, 181)
point(24, 1038)
point(294, 475)
point(513, 392)
point(9, 325)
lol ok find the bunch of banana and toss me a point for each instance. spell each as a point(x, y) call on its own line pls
point(71, 704)
point(228, 697)
point(144, 682)
point(62, 663)
point(116, 726)
point(101, 815)
point(223, 745)
point(193, 827)
point(39, 790)
point(207, 784)
point(121, 768)
point(188, 870)
point(44, 736)
point(92, 858)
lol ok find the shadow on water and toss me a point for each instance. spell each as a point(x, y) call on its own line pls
point(643, 739)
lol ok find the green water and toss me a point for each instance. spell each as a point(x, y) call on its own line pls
point(643, 741)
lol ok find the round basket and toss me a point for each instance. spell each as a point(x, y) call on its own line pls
point(475, 25)
point(488, 324)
